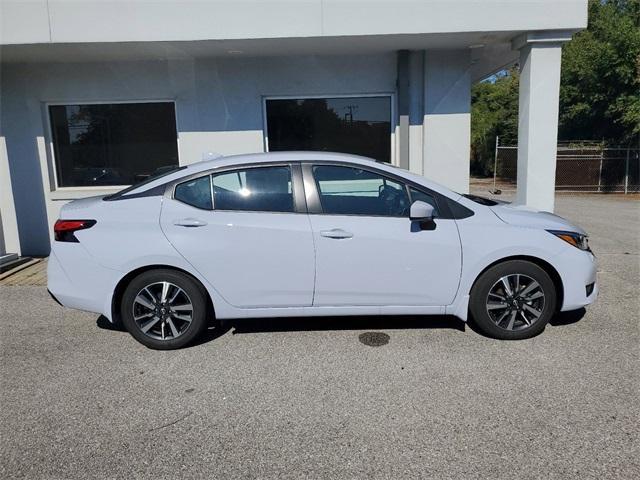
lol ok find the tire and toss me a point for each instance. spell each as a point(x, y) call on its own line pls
point(170, 324)
point(502, 310)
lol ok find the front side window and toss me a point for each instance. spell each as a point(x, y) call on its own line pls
point(112, 144)
point(259, 189)
point(196, 192)
point(354, 191)
point(357, 125)
point(424, 197)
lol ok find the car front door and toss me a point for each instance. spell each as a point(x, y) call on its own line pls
point(253, 242)
point(368, 252)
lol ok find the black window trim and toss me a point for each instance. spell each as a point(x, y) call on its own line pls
point(305, 194)
point(313, 196)
point(158, 190)
point(299, 203)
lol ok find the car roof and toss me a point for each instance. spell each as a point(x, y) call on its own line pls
point(290, 156)
point(269, 157)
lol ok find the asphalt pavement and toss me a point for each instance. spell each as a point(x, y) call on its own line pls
point(321, 398)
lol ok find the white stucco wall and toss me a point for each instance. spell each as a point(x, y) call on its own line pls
point(447, 118)
point(9, 241)
point(219, 106)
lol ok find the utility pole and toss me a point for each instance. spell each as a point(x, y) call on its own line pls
point(495, 164)
point(348, 117)
point(626, 171)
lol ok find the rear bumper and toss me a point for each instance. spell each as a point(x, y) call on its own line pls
point(75, 280)
point(54, 297)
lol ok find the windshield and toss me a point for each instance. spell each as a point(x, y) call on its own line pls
point(159, 173)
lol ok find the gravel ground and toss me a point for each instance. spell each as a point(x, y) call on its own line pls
point(306, 399)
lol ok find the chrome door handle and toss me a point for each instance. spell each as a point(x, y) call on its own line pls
point(336, 233)
point(190, 222)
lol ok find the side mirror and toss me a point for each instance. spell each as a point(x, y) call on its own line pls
point(421, 211)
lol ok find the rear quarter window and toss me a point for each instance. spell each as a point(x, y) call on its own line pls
point(196, 192)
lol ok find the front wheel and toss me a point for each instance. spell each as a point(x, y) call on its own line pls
point(164, 309)
point(513, 300)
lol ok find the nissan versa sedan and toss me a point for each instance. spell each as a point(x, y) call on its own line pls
point(312, 234)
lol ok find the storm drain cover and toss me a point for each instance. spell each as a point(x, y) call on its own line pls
point(374, 339)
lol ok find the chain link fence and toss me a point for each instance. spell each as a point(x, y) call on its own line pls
point(582, 168)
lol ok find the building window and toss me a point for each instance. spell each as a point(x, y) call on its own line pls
point(357, 125)
point(112, 144)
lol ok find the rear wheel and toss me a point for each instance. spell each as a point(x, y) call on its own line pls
point(513, 300)
point(164, 309)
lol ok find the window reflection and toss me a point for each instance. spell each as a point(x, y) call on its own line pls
point(260, 189)
point(357, 125)
point(195, 192)
point(353, 191)
point(112, 144)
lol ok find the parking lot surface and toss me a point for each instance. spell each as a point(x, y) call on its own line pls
point(306, 398)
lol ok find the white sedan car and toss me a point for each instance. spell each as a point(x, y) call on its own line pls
point(310, 234)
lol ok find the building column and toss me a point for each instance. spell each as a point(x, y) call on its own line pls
point(403, 109)
point(540, 58)
point(9, 240)
point(447, 118)
point(410, 109)
point(416, 110)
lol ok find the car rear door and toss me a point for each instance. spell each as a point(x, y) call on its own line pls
point(368, 252)
point(253, 242)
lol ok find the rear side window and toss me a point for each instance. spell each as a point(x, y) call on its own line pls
point(355, 191)
point(259, 189)
point(196, 192)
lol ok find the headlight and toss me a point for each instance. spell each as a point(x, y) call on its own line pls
point(576, 239)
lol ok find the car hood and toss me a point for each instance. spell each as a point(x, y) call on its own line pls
point(523, 216)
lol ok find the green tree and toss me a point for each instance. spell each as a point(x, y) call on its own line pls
point(600, 87)
point(494, 112)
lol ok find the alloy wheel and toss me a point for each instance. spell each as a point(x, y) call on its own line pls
point(162, 311)
point(515, 302)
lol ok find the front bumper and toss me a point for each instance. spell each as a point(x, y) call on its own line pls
point(578, 270)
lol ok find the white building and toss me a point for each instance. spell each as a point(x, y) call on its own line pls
point(99, 94)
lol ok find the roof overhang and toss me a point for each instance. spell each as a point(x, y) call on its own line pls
point(109, 30)
point(489, 52)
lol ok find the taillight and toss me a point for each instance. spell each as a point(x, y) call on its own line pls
point(64, 229)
